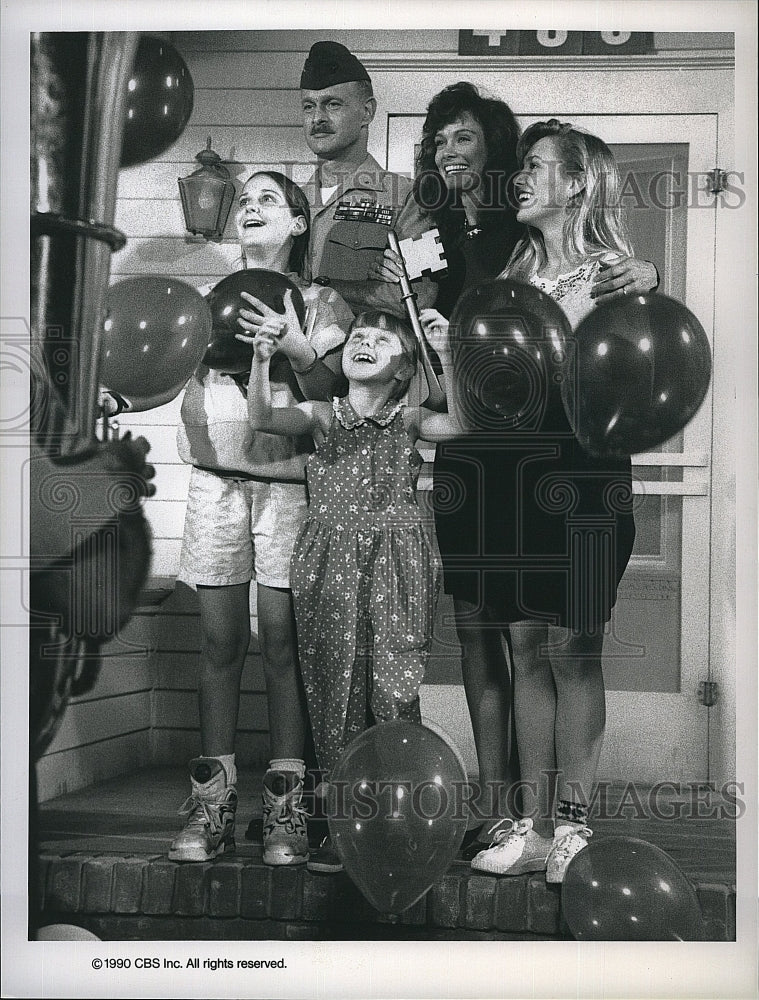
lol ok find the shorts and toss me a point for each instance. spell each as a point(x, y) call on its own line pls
point(237, 530)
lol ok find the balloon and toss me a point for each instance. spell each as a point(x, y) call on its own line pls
point(509, 348)
point(397, 818)
point(225, 353)
point(624, 889)
point(642, 371)
point(65, 932)
point(154, 337)
point(159, 101)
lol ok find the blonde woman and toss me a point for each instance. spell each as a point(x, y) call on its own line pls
point(564, 516)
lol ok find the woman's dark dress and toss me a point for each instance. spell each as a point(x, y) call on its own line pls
point(529, 524)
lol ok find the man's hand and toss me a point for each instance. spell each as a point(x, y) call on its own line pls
point(388, 267)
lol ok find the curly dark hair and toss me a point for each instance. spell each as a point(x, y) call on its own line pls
point(501, 136)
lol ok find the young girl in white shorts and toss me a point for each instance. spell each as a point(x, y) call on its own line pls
point(246, 504)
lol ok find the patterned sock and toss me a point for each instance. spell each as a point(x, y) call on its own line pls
point(289, 764)
point(571, 814)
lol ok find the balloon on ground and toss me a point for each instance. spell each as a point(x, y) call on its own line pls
point(397, 816)
point(509, 351)
point(154, 337)
point(159, 101)
point(226, 353)
point(640, 371)
point(625, 889)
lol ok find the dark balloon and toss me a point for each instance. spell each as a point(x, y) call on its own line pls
point(159, 101)
point(642, 370)
point(509, 350)
point(624, 889)
point(225, 353)
point(154, 337)
point(397, 819)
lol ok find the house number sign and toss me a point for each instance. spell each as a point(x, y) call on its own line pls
point(486, 42)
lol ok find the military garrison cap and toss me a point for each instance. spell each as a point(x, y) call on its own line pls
point(329, 63)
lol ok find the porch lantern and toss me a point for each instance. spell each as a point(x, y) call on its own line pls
point(207, 196)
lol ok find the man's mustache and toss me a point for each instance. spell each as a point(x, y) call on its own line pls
point(322, 131)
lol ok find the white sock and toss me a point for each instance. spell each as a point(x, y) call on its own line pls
point(228, 763)
point(292, 764)
point(564, 826)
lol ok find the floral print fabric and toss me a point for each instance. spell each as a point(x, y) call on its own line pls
point(364, 579)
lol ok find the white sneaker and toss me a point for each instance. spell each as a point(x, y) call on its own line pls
point(516, 849)
point(567, 842)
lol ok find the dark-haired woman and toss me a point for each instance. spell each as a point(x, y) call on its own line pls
point(246, 504)
point(464, 179)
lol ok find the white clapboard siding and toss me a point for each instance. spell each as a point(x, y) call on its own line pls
point(179, 710)
point(162, 438)
point(154, 217)
point(101, 719)
point(106, 731)
point(166, 415)
point(170, 747)
point(68, 770)
point(158, 180)
point(442, 41)
point(120, 674)
point(165, 561)
point(174, 256)
point(217, 70)
point(171, 481)
point(166, 518)
point(159, 218)
point(242, 143)
point(389, 40)
point(179, 671)
point(250, 107)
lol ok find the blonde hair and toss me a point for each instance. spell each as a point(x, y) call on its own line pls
point(594, 222)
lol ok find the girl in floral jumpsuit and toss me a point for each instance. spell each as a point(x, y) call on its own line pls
point(363, 574)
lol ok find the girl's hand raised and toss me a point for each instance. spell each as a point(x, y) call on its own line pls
point(263, 347)
point(284, 331)
point(263, 320)
point(435, 327)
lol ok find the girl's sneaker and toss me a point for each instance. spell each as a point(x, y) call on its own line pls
point(567, 841)
point(210, 811)
point(516, 849)
point(285, 833)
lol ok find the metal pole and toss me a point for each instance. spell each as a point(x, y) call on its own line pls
point(436, 399)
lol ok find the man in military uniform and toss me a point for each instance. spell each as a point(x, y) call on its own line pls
point(354, 202)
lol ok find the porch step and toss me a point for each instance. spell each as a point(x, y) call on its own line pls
point(243, 898)
point(103, 864)
point(246, 896)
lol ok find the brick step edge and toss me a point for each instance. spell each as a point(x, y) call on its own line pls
point(150, 885)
